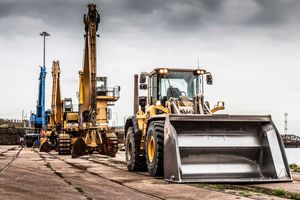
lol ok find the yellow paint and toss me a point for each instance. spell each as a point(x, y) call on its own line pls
point(217, 108)
point(142, 120)
point(56, 115)
point(80, 88)
point(151, 148)
point(154, 108)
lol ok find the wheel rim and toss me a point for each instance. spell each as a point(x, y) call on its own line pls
point(129, 152)
point(151, 148)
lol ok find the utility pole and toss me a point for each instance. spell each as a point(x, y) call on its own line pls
point(23, 124)
point(285, 123)
point(44, 34)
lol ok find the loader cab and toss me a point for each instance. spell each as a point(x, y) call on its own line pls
point(164, 83)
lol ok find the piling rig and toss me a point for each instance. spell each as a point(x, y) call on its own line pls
point(38, 120)
point(177, 135)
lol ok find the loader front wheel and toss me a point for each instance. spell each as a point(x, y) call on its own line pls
point(155, 148)
point(134, 161)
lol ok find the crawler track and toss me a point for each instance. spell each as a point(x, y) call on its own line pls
point(13, 159)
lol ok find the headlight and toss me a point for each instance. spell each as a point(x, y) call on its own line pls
point(200, 71)
point(163, 71)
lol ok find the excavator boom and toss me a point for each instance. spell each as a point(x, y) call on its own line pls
point(94, 134)
point(55, 125)
point(56, 103)
point(88, 75)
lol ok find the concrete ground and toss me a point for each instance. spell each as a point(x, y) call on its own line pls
point(27, 174)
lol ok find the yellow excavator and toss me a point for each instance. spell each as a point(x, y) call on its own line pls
point(174, 133)
point(54, 127)
point(93, 132)
point(62, 119)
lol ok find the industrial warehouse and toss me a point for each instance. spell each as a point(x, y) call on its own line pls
point(158, 131)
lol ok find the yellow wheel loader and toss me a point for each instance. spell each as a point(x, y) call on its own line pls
point(176, 134)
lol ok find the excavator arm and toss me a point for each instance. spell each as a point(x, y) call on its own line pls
point(55, 124)
point(88, 75)
point(56, 102)
point(94, 133)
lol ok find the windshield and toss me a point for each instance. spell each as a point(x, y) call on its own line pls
point(176, 84)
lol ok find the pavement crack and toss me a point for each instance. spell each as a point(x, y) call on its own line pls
point(80, 167)
point(60, 175)
point(13, 159)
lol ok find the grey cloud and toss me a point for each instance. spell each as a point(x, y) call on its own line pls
point(55, 13)
point(144, 6)
point(276, 12)
point(175, 16)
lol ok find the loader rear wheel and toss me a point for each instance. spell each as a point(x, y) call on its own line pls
point(155, 148)
point(134, 161)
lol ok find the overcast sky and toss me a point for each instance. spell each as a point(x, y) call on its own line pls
point(251, 47)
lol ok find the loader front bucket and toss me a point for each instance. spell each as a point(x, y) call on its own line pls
point(223, 148)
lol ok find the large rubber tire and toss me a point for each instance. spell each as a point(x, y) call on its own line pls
point(155, 135)
point(134, 161)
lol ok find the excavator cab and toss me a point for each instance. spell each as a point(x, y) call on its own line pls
point(67, 105)
point(177, 135)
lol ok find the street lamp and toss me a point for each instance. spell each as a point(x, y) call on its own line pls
point(44, 34)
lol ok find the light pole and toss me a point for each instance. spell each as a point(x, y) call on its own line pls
point(44, 34)
point(42, 88)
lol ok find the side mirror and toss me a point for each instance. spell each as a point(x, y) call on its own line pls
point(143, 86)
point(209, 79)
point(143, 77)
point(142, 101)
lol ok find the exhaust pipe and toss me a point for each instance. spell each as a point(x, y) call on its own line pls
point(136, 94)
